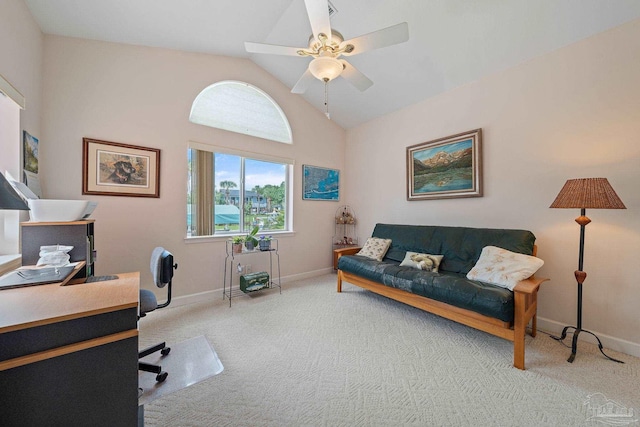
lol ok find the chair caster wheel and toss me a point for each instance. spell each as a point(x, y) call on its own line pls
point(161, 376)
point(165, 351)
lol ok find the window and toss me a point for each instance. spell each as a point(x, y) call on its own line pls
point(230, 192)
point(11, 102)
point(242, 108)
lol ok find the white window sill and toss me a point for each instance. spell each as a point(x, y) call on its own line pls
point(224, 237)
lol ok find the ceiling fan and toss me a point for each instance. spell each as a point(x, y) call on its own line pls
point(327, 45)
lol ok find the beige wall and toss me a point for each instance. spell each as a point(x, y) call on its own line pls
point(573, 113)
point(21, 44)
point(143, 96)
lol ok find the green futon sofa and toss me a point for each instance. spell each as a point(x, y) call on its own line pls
point(448, 292)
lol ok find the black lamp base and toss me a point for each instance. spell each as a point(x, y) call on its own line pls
point(574, 343)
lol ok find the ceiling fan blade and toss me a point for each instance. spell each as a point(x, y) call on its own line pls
point(355, 77)
point(271, 49)
point(318, 11)
point(303, 83)
point(395, 34)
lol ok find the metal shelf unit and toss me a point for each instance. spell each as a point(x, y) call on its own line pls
point(228, 290)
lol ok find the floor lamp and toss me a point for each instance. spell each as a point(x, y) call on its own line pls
point(593, 193)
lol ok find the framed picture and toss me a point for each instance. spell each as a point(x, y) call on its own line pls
point(320, 183)
point(29, 152)
point(113, 169)
point(30, 165)
point(446, 167)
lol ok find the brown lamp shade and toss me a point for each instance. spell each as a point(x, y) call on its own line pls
point(593, 193)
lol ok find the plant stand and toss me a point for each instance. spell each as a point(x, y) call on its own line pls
point(231, 261)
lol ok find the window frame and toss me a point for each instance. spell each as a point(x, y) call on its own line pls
point(239, 107)
point(244, 155)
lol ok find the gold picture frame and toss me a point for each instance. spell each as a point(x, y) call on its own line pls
point(114, 169)
point(445, 168)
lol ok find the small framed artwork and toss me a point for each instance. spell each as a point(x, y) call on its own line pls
point(30, 168)
point(114, 169)
point(320, 183)
point(445, 168)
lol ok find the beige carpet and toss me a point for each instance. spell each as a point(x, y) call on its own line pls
point(313, 357)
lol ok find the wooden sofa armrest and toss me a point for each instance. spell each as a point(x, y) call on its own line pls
point(337, 253)
point(347, 251)
point(530, 285)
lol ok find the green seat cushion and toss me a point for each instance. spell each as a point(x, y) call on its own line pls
point(454, 289)
point(363, 266)
point(451, 288)
point(461, 246)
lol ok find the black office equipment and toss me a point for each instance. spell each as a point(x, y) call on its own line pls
point(162, 267)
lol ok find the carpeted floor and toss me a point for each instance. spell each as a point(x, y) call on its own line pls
point(313, 357)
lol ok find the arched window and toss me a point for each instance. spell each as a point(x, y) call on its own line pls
point(240, 107)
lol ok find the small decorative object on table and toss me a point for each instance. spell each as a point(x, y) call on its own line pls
point(254, 281)
point(345, 228)
point(237, 241)
point(264, 243)
point(345, 231)
point(250, 241)
point(346, 216)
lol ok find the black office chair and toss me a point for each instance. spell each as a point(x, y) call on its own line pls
point(162, 267)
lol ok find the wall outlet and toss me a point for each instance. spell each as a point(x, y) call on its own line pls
point(243, 269)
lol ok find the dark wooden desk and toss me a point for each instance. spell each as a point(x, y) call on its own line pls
point(69, 354)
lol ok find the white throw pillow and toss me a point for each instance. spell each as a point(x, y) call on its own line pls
point(375, 248)
point(426, 262)
point(503, 268)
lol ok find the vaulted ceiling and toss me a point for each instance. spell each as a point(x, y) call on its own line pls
point(451, 42)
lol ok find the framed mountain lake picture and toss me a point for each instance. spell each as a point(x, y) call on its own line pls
point(445, 168)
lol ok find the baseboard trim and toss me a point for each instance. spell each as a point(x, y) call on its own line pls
point(217, 293)
point(307, 275)
point(608, 341)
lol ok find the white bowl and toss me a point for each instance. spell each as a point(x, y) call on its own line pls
point(51, 210)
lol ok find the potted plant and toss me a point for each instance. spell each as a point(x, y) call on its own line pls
point(236, 244)
point(250, 241)
point(265, 243)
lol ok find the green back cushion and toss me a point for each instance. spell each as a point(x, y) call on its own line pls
point(461, 246)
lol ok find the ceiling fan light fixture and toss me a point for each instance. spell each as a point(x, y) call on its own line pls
point(325, 68)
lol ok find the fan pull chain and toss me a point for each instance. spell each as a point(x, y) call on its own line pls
point(326, 100)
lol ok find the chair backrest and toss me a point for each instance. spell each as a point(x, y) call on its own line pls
point(162, 267)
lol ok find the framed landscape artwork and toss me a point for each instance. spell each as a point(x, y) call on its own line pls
point(445, 168)
point(114, 169)
point(320, 183)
